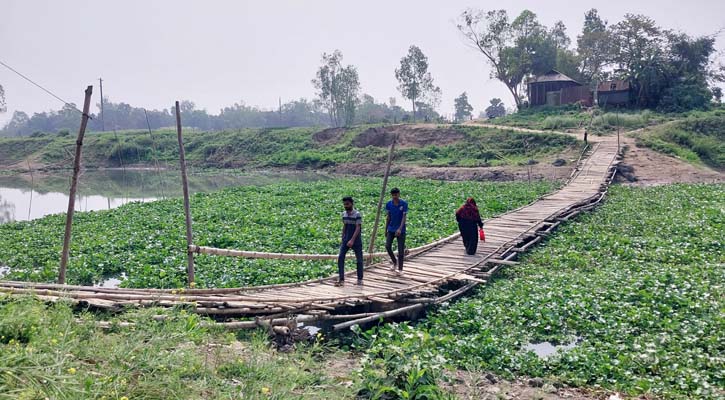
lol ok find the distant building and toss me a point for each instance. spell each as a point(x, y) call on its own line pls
point(554, 88)
point(614, 93)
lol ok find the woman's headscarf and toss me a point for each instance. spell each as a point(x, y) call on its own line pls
point(469, 210)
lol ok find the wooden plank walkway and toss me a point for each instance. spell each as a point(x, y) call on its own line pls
point(384, 293)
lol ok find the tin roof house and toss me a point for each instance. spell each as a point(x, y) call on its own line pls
point(554, 88)
point(614, 93)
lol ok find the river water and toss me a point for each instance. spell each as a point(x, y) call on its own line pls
point(29, 196)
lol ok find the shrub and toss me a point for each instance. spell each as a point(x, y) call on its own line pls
point(557, 122)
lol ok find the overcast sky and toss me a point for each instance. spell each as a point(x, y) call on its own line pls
point(216, 53)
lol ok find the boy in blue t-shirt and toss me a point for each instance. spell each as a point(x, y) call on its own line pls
point(397, 211)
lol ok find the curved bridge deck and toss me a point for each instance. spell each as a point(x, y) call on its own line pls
point(433, 276)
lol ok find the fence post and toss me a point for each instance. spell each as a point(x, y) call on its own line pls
point(380, 201)
point(73, 187)
point(187, 207)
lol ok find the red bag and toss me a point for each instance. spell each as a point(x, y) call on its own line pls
point(481, 234)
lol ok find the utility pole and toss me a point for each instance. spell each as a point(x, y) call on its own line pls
point(103, 121)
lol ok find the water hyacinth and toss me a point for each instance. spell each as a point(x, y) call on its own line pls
point(637, 282)
point(146, 242)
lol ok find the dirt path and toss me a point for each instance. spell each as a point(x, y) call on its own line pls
point(577, 134)
point(645, 167)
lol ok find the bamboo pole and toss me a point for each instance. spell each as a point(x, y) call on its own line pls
point(73, 187)
point(187, 207)
point(307, 257)
point(373, 317)
point(380, 200)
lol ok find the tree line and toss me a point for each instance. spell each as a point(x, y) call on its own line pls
point(667, 71)
point(123, 116)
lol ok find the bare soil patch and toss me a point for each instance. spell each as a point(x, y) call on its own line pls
point(408, 136)
point(497, 174)
point(554, 167)
point(329, 135)
point(642, 166)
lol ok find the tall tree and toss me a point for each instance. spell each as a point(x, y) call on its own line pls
point(338, 88)
point(514, 49)
point(463, 108)
point(690, 71)
point(593, 47)
point(415, 82)
point(639, 55)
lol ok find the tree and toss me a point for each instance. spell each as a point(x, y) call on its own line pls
point(369, 111)
point(690, 71)
point(396, 111)
point(593, 47)
point(338, 88)
point(496, 109)
point(516, 49)
point(559, 36)
point(16, 124)
point(349, 88)
point(426, 111)
point(667, 70)
point(415, 82)
point(638, 53)
point(463, 108)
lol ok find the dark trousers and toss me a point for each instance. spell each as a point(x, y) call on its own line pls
point(469, 234)
point(389, 236)
point(358, 249)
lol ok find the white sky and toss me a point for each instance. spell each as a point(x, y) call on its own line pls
point(215, 53)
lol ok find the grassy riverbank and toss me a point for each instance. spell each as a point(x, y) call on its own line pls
point(306, 148)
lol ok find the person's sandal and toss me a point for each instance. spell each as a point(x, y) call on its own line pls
point(359, 282)
point(340, 283)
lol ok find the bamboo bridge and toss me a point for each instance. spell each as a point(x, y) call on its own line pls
point(435, 273)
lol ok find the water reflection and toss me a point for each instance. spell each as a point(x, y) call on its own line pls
point(546, 349)
point(42, 195)
point(7, 210)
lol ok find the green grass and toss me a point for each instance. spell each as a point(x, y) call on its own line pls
point(146, 240)
point(282, 148)
point(533, 118)
point(571, 117)
point(561, 122)
point(48, 351)
point(697, 139)
point(638, 283)
point(487, 147)
point(612, 121)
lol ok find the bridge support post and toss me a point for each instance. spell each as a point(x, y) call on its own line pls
point(73, 187)
point(371, 247)
point(187, 207)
